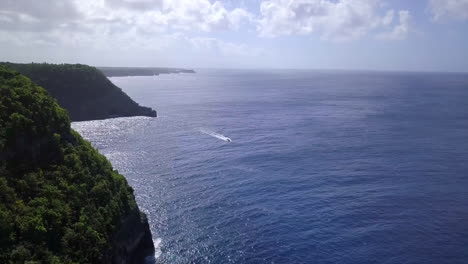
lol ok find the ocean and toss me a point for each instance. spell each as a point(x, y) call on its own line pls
point(296, 166)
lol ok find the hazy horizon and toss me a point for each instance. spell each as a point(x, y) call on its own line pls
point(252, 68)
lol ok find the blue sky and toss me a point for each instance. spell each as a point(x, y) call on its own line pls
point(416, 35)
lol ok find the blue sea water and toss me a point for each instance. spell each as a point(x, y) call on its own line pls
point(323, 167)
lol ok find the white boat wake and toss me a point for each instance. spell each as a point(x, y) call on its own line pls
point(214, 134)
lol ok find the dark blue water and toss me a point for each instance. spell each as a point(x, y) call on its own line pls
point(323, 167)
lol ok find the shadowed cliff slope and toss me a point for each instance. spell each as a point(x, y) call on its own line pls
point(60, 200)
point(82, 90)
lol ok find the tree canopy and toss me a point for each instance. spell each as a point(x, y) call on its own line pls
point(60, 200)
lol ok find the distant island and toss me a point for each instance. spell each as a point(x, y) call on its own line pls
point(60, 200)
point(139, 71)
point(84, 91)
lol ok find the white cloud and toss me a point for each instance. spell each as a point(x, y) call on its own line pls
point(24, 15)
point(155, 26)
point(159, 15)
point(184, 15)
point(388, 18)
point(25, 40)
point(222, 47)
point(43, 10)
point(401, 30)
point(149, 25)
point(336, 20)
point(202, 15)
point(136, 4)
point(449, 9)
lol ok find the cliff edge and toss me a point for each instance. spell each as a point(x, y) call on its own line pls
point(60, 200)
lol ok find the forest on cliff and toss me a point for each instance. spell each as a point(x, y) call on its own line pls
point(84, 91)
point(60, 200)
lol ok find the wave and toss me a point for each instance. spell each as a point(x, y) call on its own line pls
point(157, 252)
point(157, 247)
point(214, 134)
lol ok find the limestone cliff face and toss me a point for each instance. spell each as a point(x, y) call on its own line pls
point(133, 241)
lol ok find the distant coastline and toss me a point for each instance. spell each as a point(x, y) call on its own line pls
point(140, 71)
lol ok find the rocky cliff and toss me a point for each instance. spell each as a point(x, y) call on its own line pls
point(132, 242)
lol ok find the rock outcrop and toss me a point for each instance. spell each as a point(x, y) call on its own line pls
point(133, 241)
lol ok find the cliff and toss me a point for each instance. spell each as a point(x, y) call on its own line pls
point(82, 90)
point(60, 200)
point(140, 71)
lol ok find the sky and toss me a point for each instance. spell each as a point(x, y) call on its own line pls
point(399, 35)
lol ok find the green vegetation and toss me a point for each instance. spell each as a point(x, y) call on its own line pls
point(82, 90)
point(60, 200)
